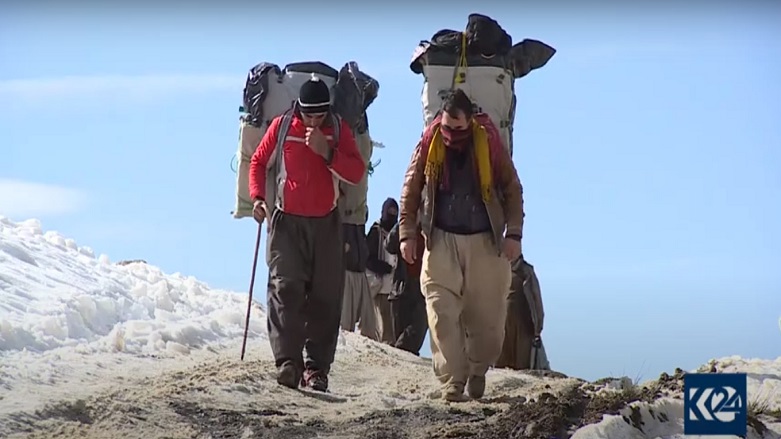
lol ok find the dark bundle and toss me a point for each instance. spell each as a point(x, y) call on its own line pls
point(487, 44)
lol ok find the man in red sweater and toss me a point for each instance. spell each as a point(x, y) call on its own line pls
point(305, 243)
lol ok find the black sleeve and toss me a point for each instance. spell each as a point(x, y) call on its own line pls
point(355, 255)
point(393, 241)
point(374, 263)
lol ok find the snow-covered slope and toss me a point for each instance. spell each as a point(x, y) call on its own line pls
point(67, 316)
point(56, 294)
point(89, 348)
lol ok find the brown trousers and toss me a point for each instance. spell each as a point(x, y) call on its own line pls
point(466, 284)
point(305, 288)
point(519, 331)
point(409, 317)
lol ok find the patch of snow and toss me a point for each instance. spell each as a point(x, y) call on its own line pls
point(67, 315)
point(663, 419)
point(55, 294)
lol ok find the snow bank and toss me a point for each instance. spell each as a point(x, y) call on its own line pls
point(55, 294)
point(664, 417)
point(73, 325)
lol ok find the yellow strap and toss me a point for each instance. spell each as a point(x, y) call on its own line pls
point(462, 64)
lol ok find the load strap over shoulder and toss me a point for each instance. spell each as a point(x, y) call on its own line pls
point(274, 166)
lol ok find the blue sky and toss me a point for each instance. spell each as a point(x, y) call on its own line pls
point(649, 148)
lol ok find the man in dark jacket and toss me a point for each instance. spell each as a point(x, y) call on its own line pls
point(358, 307)
point(408, 305)
point(305, 252)
point(380, 266)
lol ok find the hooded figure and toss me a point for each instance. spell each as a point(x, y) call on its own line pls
point(379, 269)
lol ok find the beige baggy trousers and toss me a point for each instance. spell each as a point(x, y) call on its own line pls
point(358, 306)
point(466, 284)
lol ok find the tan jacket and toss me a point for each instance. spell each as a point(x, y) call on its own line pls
point(505, 209)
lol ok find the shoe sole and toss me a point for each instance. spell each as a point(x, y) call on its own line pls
point(456, 398)
point(319, 388)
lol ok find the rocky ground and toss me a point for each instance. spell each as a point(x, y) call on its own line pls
point(231, 399)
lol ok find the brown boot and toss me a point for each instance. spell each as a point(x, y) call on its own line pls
point(288, 375)
point(475, 386)
point(316, 380)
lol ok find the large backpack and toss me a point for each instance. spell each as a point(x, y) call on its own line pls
point(482, 62)
point(271, 91)
point(355, 91)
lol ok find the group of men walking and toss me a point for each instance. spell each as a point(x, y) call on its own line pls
point(443, 258)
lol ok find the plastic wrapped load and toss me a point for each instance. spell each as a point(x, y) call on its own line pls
point(270, 91)
point(353, 199)
point(354, 93)
point(482, 61)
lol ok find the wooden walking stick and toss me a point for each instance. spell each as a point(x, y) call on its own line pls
point(251, 287)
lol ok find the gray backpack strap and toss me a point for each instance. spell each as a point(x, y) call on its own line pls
point(273, 174)
point(336, 122)
point(284, 127)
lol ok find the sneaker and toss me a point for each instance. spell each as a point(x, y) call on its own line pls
point(454, 393)
point(288, 376)
point(315, 380)
point(475, 386)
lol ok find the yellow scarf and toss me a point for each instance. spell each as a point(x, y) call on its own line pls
point(436, 158)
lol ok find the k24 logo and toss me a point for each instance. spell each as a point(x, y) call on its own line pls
point(715, 404)
point(723, 404)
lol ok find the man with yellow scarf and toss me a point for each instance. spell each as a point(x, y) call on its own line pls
point(464, 185)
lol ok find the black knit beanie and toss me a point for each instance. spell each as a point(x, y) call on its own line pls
point(314, 96)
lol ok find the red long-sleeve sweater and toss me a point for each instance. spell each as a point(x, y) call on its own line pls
point(311, 185)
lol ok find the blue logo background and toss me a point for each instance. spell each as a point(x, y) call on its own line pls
point(715, 404)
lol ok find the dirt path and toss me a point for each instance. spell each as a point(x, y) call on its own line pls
point(378, 393)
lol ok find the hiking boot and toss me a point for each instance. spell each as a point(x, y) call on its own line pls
point(454, 393)
point(315, 380)
point(288, 375)
point(475, 386)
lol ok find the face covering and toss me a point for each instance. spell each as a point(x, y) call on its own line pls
point(456, 139)
point(388, 221)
